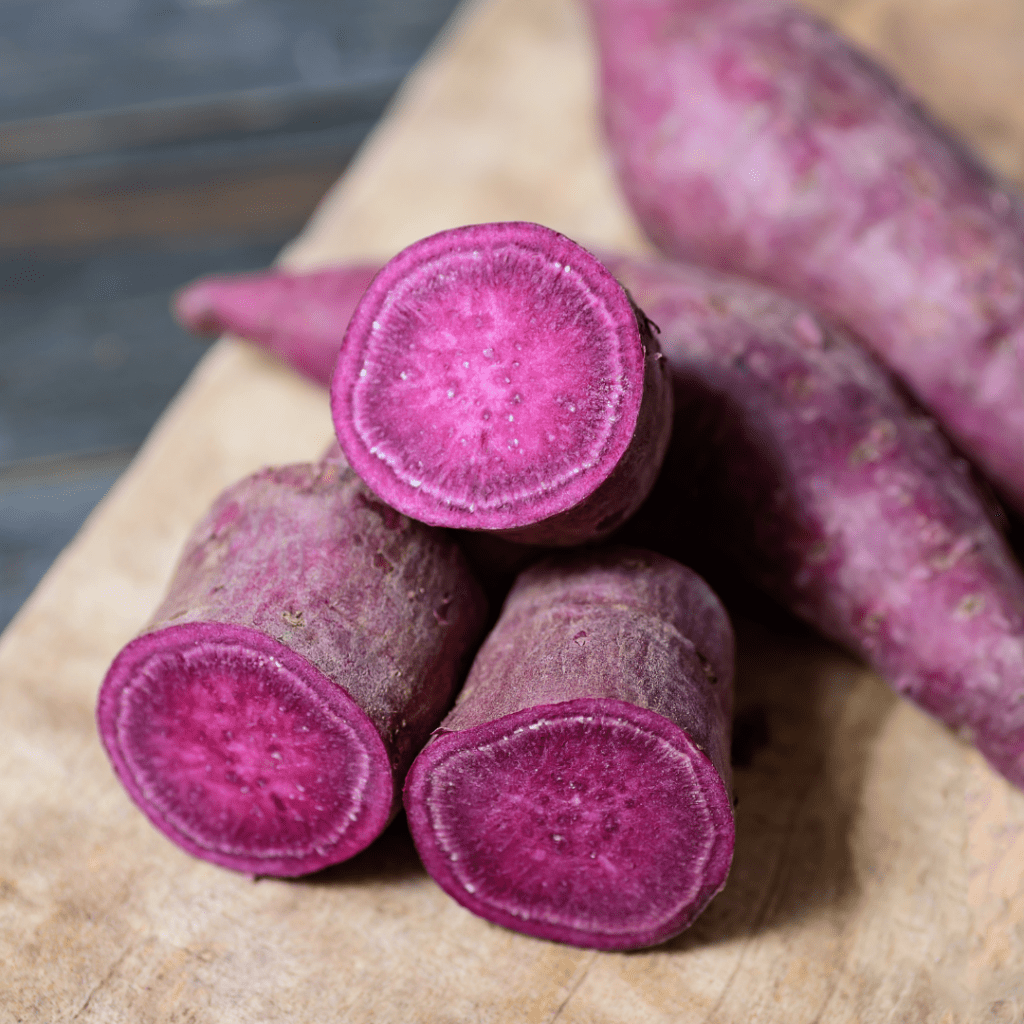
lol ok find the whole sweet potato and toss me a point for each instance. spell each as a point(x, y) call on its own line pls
point(795, 461)
point(749, 136)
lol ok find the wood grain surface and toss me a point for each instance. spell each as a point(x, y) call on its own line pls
point(879, 868)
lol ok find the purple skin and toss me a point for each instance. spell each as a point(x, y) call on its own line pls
point(309, 642)
point(796, 462)
point(497, 377)
point(580, 789)
point(299, 317)
point(748, 136)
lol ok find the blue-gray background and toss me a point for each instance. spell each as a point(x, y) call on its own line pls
point(144, 143)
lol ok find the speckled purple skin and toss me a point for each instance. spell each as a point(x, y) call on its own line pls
point(496, 377)
point(299, 317)
point(310, 640)
point(580, 789)
point(796, 461)
point(750, 137)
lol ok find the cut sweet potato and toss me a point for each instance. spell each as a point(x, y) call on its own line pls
point(580, 789)
point(497, 377)
point(310, 640)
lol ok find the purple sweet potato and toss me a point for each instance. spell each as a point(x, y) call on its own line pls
point(299, 317)
point(750, 137)
point(497, 377)
point(580, 788)
point(796, 461)
point(310, 640)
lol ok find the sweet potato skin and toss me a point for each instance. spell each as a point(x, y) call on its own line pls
point(302, 565)
point(300, 317)
point(613, 587)
point(608, 642)
point(750, 137)
point(797, 462)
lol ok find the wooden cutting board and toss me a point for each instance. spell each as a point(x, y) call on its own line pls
point(879, 868)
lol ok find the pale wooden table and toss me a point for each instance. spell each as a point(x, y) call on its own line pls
point(879, 869)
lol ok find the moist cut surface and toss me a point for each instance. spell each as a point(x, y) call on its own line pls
point(591, 821)
point(487, 381)
point(241, 754)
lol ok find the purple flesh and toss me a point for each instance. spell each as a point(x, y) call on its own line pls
point(299, 317)
point(310, 640)
point(496, 377)
point(242, 752)
point(579, 791)
point(749, 136)
point(797, 464)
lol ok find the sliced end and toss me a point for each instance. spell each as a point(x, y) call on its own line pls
point(591, 822)
point(491, 378)
point(242, 752)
